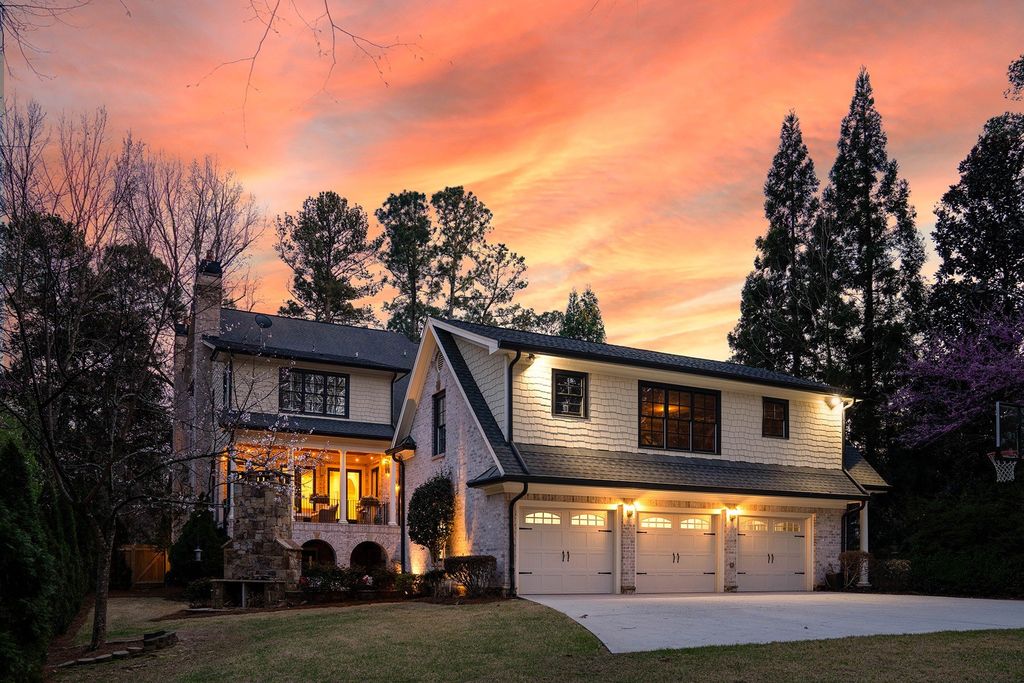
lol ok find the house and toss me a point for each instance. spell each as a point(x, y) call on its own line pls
point(594, 468)
point(315, 400)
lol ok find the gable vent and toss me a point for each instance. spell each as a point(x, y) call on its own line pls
point(438, 361)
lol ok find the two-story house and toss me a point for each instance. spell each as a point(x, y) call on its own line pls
point(594, 468)
point(315, 400)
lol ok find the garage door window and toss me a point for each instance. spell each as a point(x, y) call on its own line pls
point(694, 523)
point(587, 520)
point(543, 518)
point(655, 523)
point(754, 525)
point(788, 527)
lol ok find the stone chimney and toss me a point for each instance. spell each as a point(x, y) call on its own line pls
point(207, 299)
point(261, 547)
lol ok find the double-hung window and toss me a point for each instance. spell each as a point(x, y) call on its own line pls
point(679, 418)
point(775, 418)
point(568, 393)
point(440, 433)
point(313, 393)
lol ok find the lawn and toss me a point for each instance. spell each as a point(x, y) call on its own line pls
point(513, 640)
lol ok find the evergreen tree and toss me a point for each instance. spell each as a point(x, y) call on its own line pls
point(771, 329)
point(582, 318)
point(463, 222)
point(409, 256)
point(868, 205)
point(979, 234)
point(327, 249)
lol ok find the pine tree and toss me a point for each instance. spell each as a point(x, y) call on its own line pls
point(771, 330)
point(463, 222)
point(880, 266)
point(408, 254)
point(582, 318)
point(327, 249)
point(979, 234)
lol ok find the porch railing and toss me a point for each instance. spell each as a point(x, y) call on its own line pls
point(324, 509)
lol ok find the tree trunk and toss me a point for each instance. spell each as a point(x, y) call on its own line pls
point(105, 545)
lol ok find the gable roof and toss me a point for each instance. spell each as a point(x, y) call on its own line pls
point(861, 470)
point(624, 355)
point(504, 452)
point(308, 340)
point(590, 467)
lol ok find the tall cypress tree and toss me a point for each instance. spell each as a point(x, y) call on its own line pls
point(867, 204)
point(979, 234)
point(771, 332)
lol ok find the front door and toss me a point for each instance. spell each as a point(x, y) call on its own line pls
point(355, 492)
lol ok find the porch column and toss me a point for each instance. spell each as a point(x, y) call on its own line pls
point(343, 500)
point(863, 523)
point(229, 486)
point(291, 481)
point(392, 492)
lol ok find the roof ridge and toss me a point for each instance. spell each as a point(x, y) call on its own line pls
point(318, 322)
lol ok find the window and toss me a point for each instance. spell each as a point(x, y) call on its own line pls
point(775, 419)
point(569, 393)
point(440, 435)
point(543, 518)
point(753, 525)
point(314, 393)
point(587, 520)
point(789, 527)
point(678, 419)
point(695, 523)
point(655, 523)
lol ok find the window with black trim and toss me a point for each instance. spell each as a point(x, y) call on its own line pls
point(313, 393)
point(569, 393)
point(775, 418)
point(679, 418)
point(440, 434)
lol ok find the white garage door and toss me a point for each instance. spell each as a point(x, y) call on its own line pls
point(675, 553)
point(771, 554)
point(565, 551)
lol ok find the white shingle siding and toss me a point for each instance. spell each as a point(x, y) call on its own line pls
point(815, 429)
point(256, 388)
point(489, 372)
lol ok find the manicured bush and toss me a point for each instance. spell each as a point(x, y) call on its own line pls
point(198, 593)
point(892, 575)
point(383, 578)
point(332, 579)
point(476, 573)
point(431, 517)
point(202, 531)
point(408, 584)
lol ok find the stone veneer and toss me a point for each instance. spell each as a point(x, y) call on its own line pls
point(261, 546)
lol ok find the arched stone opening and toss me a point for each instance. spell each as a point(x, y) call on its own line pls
point(369, 555)
point(316, 553)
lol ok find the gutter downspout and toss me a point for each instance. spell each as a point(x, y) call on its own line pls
point(512, 538)
point(508, 397)
point(846, 515)
point(401, 509)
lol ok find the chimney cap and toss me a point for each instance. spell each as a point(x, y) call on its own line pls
point(210, 265)
point(180, 329)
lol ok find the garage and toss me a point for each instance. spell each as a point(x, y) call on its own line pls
point(675, 553)
point(565, 551)
point(771, 554)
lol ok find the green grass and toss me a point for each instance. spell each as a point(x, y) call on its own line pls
point(519, 640)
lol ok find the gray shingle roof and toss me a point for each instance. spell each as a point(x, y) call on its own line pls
point(305, 424)
point(862, 471)
point(314, 341)
point(581, 466)
point(624, 355)
point(492, 432)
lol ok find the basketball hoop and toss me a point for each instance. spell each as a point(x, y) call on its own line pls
point(1005, 464)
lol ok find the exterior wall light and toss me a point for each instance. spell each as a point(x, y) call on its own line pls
point(630, 510)
point(834, 402)
point(731, 512)
point(198, 554)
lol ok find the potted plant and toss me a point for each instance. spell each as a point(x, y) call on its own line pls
point(368, 507)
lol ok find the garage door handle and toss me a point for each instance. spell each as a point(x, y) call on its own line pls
point(568, 555)
point(563, 556)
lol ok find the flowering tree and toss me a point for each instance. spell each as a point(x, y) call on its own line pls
point(958, 377)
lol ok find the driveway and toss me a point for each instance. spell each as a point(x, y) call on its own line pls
point(635, 623)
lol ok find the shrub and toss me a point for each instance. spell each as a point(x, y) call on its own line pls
point(332, 579)
point(476, 573)
point(891, 575)
point(852, 563)
point(435, 583)
point(199, 592)
point(199, 531)
point(383, 578)
point(407, 584)
point(432, 514)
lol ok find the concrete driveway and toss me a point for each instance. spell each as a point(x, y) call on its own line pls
point(635, 623)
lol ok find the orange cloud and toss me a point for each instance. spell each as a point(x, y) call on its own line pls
point(621, 145)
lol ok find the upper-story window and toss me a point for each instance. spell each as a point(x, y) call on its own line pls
point(569, 393)
point(439, 421)
point(678, 418)
point(775, 419)
point(312, 392)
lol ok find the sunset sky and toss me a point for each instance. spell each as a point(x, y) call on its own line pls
point(619, 144)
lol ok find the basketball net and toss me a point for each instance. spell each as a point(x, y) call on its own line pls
point(1005, 466)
